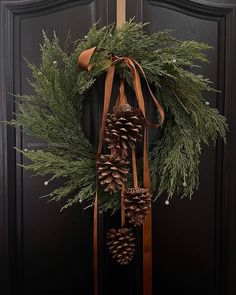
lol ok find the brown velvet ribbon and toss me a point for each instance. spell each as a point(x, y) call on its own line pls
point(84, 62)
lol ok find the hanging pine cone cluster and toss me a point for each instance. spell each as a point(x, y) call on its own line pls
point(121, 243)
point(124, 128)
point(137, 204)
point(112, 171)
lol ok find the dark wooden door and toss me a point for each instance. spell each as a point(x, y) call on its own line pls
point(44, 252)
point(195, 241)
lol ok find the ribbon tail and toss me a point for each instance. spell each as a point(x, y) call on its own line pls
point(147, 226)
point(120, 100)
point(84, 63)
point(106, 104)
point(147, 255)
point(95, 245)
point(122, 206)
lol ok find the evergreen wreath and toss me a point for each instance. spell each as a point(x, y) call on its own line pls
point(55, 113)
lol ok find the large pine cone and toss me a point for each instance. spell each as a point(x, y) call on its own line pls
point(112, 170)
point(124, 128)
point(137, 204)
point(121, 243)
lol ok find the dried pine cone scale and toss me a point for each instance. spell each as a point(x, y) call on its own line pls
point(137, 204)
point(112, 171)
point(121, 244)
point(124, 128)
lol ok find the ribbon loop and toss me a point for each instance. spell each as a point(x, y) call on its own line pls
point(85, 57)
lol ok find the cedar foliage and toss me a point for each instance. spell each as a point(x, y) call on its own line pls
point(54, 113)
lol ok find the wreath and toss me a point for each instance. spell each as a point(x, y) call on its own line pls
point(168, 68)
point(55, 113)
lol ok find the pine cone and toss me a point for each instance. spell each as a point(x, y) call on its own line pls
point(112, 170)
point(124, 128)
point(137, 204)
point(121, 243)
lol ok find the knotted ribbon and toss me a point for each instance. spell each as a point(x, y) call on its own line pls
point(84, 62)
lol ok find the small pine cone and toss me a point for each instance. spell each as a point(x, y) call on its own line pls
point(137, 204)
point(112, 171)
point(121, 243)
point(124, 128)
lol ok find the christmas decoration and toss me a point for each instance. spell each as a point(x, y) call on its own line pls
point(112, 172)
point(121, 244)
point(124, 128)
point(137, 204)
point(54, 113)
point(102, 179)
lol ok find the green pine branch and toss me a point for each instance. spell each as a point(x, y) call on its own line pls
point(55, 113)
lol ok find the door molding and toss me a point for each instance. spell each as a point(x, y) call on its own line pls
point(12, 13)
point(225, 15)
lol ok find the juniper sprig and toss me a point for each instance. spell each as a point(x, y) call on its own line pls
point(55, 113)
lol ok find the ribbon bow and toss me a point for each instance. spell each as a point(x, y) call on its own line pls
point(135, 68)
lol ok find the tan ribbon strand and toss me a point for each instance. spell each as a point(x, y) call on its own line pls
point(95, 244)
point(139, 94)
point(120, 100)
point(106, 104)
point(147, 227)
point(84, 63)
point(159, 107)
point(122, 207)
point(135, 174)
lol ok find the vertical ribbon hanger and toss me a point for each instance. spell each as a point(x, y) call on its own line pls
point(122, 99)
point(147, 226)
point(84, 63)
